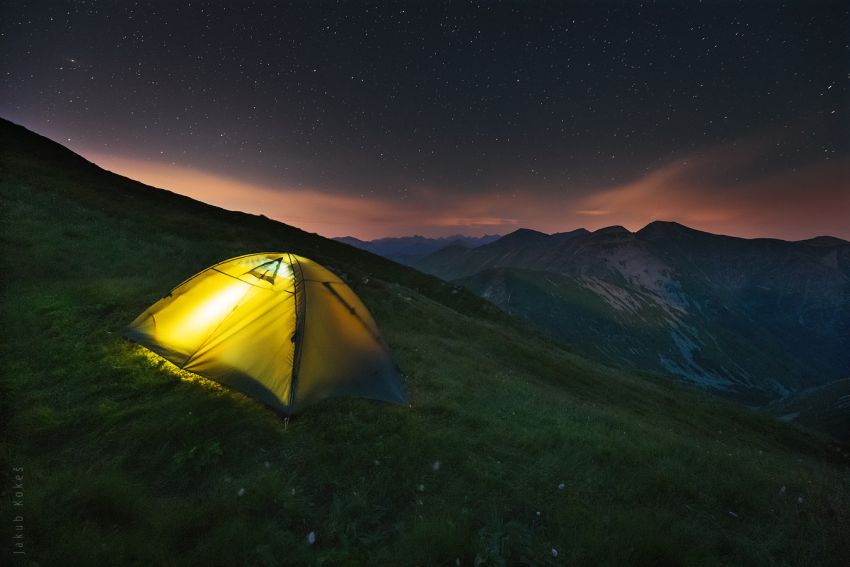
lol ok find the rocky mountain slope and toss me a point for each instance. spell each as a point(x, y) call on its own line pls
point(511, 447)
point(757, 320)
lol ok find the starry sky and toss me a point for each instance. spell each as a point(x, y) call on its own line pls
point(441, 118)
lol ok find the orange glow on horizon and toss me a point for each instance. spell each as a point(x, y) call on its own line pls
point(328, 214)
point(771, 206)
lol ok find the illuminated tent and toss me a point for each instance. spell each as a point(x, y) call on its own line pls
point(275, 326)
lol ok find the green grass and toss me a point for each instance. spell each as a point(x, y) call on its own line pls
point(128, 462)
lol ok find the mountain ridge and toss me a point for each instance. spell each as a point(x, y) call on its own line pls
point(409, 249)
point(512, 445)
point(755, 319)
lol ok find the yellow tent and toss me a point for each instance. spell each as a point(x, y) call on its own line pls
point(276, 326)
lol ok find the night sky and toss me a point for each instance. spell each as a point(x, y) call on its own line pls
point(433, 118)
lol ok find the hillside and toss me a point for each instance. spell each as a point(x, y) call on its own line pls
point(755, 320)
point(825, 407)
point(513, 450)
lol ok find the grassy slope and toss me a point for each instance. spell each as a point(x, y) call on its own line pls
point(561, 306)
point(767, 317)
point(127, 463)
point(826, 408)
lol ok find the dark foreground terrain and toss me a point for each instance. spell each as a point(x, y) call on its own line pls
point(513, 450)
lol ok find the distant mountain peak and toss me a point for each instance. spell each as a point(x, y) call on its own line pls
point(668, 229)
point(408, 249)
point(521, 236)
point(615, 230)
point(525, 231)
point(825, 241)
point(665, 225)
point(570, 234)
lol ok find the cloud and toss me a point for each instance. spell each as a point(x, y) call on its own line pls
point(718, 191)
point(331, 214)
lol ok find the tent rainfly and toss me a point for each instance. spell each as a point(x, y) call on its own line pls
point(275, 326)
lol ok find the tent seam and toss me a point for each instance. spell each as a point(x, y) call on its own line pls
point(300, 323)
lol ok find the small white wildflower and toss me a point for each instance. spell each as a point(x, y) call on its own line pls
point(420, 487)
point(800, 500)
point(311, 538)
point(562, 486)
point(554, 552)
point(436, 465)
point(538, 514)
point(293, 492)
point(241, 492)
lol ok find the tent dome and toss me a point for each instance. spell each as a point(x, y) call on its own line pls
point(276, 326)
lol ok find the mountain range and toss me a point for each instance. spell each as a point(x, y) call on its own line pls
point(512, 446)
point(757, 320)
point(409, 249)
